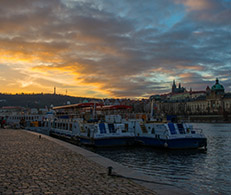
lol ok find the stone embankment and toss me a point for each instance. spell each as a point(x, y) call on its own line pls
point(29, 165)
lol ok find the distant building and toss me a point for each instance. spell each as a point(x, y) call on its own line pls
point(177, 90)
point(213, 100)
point(9, 110)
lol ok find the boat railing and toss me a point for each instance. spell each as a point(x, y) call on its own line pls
point(197, 131)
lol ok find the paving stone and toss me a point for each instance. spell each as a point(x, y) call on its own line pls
point(29, 165)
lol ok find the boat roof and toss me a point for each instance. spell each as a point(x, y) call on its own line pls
point(91, 104)
point(80, 105)
point(116, 107)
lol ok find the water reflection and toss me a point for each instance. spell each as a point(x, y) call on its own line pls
point(194, 170)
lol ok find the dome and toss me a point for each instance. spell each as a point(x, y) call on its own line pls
point(217, 86)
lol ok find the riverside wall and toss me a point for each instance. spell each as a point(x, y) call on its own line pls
point(206, 118)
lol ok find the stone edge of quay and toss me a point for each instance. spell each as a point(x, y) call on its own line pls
point(126, 172)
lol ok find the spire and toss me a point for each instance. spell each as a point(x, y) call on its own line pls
point(217, 81)
point(173, 86)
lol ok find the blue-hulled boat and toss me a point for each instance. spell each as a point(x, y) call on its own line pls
point(170, 135)
point(94, 133)
point(105, 134)
point(113, 130)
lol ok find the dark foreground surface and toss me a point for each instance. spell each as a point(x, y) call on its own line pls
point(29, 165)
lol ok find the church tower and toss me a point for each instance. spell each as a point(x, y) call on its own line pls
point(173, 86)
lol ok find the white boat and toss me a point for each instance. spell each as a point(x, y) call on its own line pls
point(112, 130)
point(170, 135)
point(22, 120)
point(97, 133)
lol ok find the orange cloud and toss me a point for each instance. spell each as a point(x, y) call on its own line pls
point(189, 67)
point(186, 75)
point(17, 55)
point(86, 80)
point(74, 68)
point(194, 5)
point(163, 70)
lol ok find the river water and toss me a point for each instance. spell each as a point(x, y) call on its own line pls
point(197, 171)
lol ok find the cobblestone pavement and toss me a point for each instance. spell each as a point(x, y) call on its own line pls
point(29, 165)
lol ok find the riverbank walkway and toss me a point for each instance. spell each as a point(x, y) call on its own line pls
point(37, 164)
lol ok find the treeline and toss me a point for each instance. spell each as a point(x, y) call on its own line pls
point(39, 100)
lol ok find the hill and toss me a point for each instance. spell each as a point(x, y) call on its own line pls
point(39, 100)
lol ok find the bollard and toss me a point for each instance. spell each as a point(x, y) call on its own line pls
point(109, 171)
point(39, 136)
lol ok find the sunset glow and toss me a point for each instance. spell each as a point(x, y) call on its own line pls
point(114, 49)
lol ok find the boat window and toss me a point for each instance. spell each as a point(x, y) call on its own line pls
point(126, 128)
point(102, 128)
point(82, 129)
point(70, 127)
point(111, 128)
point(143, 128)
point(172, 128)
point(181, 128)
point(157, 136)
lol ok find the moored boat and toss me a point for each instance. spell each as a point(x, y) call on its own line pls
point(98, 131)
point(106, 134)
point(170, 135)
point(106, 130)
point(92, 133)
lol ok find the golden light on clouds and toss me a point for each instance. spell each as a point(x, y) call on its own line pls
point(111, 49)
point(197, 5)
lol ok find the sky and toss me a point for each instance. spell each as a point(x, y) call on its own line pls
point(113, 48)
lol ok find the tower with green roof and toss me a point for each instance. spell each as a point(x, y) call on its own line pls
point(217, 88)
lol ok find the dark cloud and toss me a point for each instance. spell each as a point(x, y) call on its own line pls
point(124, 49)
